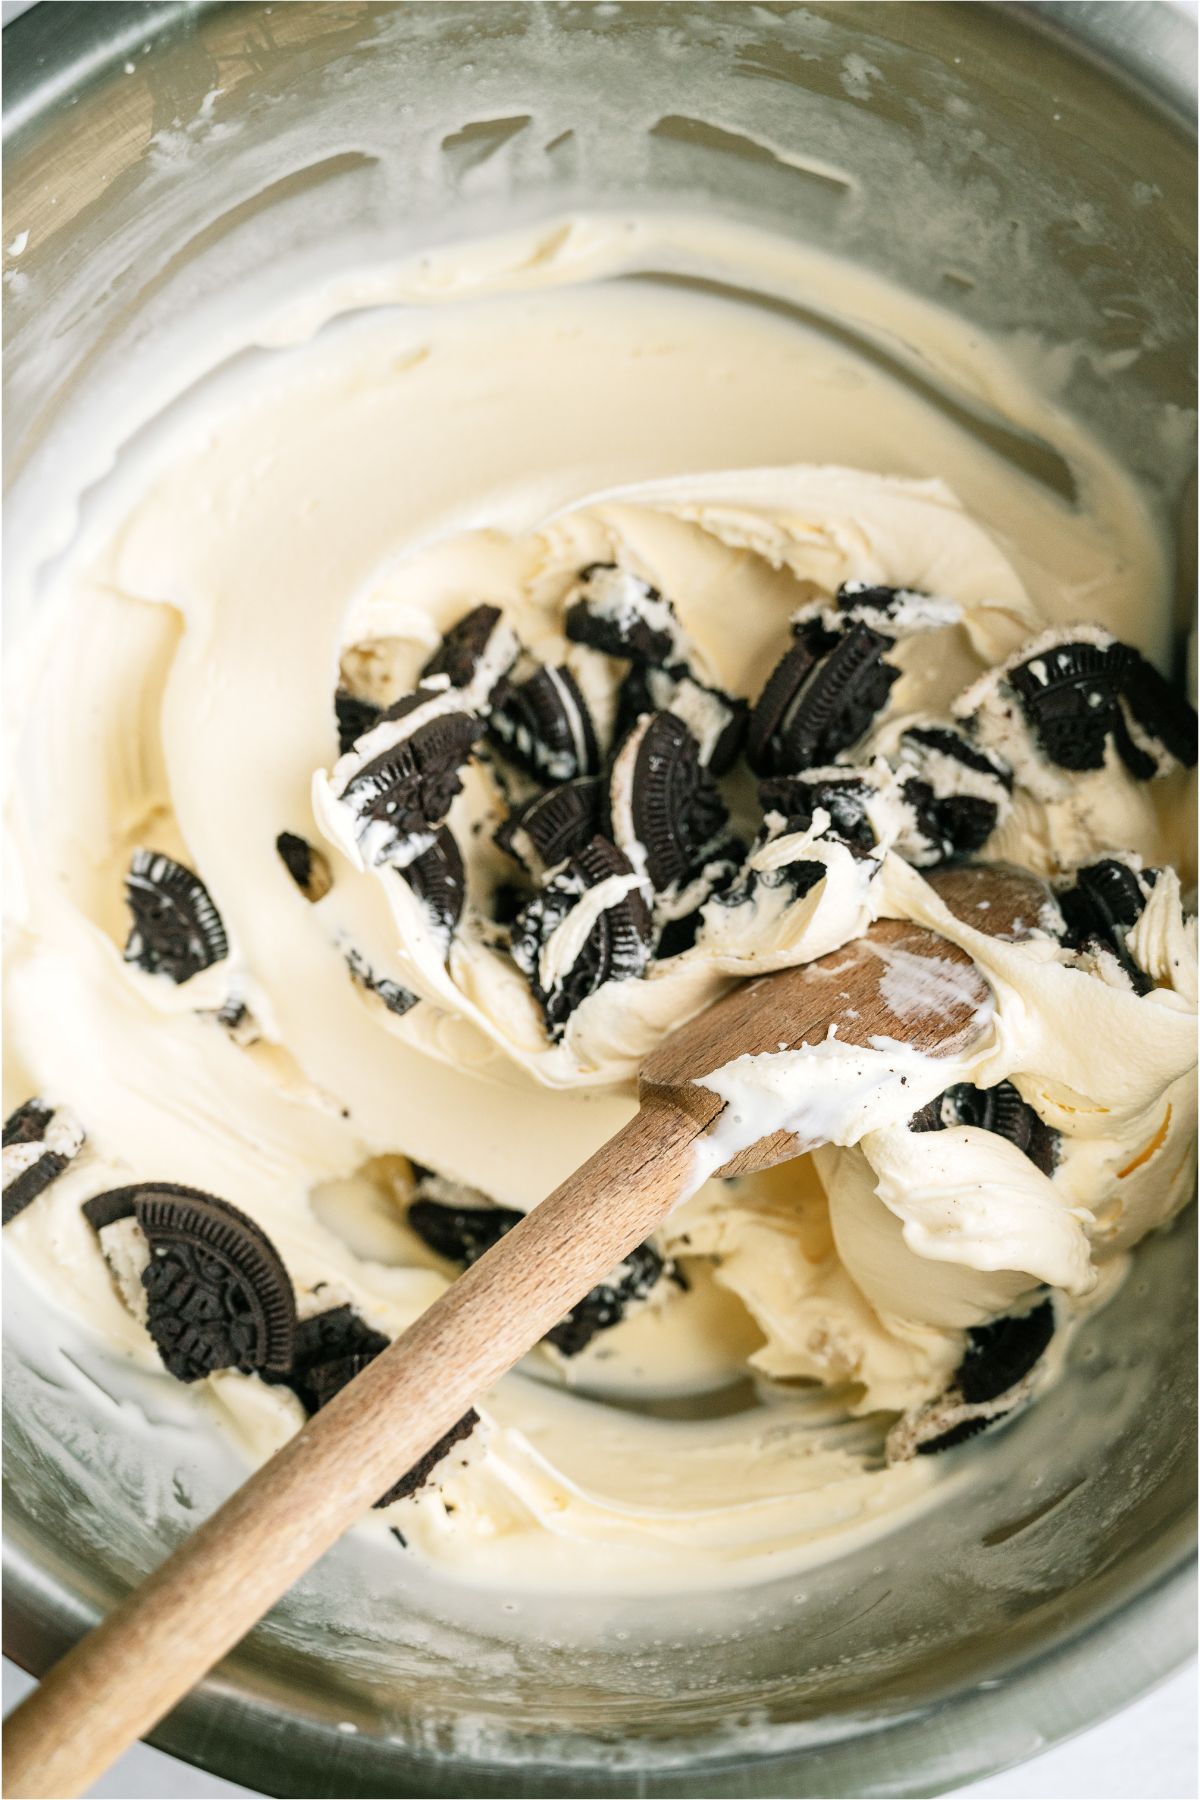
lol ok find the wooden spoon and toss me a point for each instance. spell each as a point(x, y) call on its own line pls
point(125, 1675)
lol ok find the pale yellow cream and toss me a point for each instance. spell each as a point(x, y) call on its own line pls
point(343, 502)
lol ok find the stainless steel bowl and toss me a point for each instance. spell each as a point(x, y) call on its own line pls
point(1025, 166)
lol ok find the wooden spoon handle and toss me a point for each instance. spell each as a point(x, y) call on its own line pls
point(121, 1679)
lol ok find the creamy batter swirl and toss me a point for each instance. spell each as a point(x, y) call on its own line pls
point(320, 527)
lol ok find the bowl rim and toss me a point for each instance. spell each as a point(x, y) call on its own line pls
point(1090, 1673)
point(1093, 1672)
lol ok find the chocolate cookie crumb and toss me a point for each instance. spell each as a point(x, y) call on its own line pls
point(308, 867)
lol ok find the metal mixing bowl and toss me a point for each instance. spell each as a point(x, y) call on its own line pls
point(1027, 167)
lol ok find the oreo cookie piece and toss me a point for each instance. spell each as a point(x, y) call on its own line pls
point(1070, 694)
point(40, 1140)
point(1102, 907)
point(321, 1339)
point(218, 1295)
point(1161, 726)
point(553, 826)
point(956, 747)
point(618, 613)
point(843, 793)
point(820, 698)
point(543, 725)
point(715, 719)
point(998, 1355)
point(607, 1303)
point(957, 795)
point(397, 998)
point(308, 867)
point(355, 717)
point(613, 943)
point(666, 809)
point(999, 1109)
point(406, 792)
point(176, 930)
point(463, 1233)
point(331, 1377)
point(680, 923)
point(993, 1379)
point(465, 651)
point(438, 879)
point(897, 611)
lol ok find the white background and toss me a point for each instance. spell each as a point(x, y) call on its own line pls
point(1147, 1752)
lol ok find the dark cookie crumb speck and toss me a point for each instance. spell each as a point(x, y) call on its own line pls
point(308, 867)
point(395, 997)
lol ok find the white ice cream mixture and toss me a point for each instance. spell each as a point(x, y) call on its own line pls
point(319, 524)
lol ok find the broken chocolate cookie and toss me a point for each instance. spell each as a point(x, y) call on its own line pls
point(820, 698)
point(607, 1303)
point(395, 996)
point(218, 1294)
point(993, 1379)
point(438, 879)
point(555, 825)
point(999, 1109)
point(1101, 906)
point(543, 725)
point(401, 797)
point(620, 614)
point(40, 1140)
point(355, 717)
point(176, 930)
point(596, 891)
point(667, 812)
point(308, 867)
point(715, 719)
point(474, 654)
